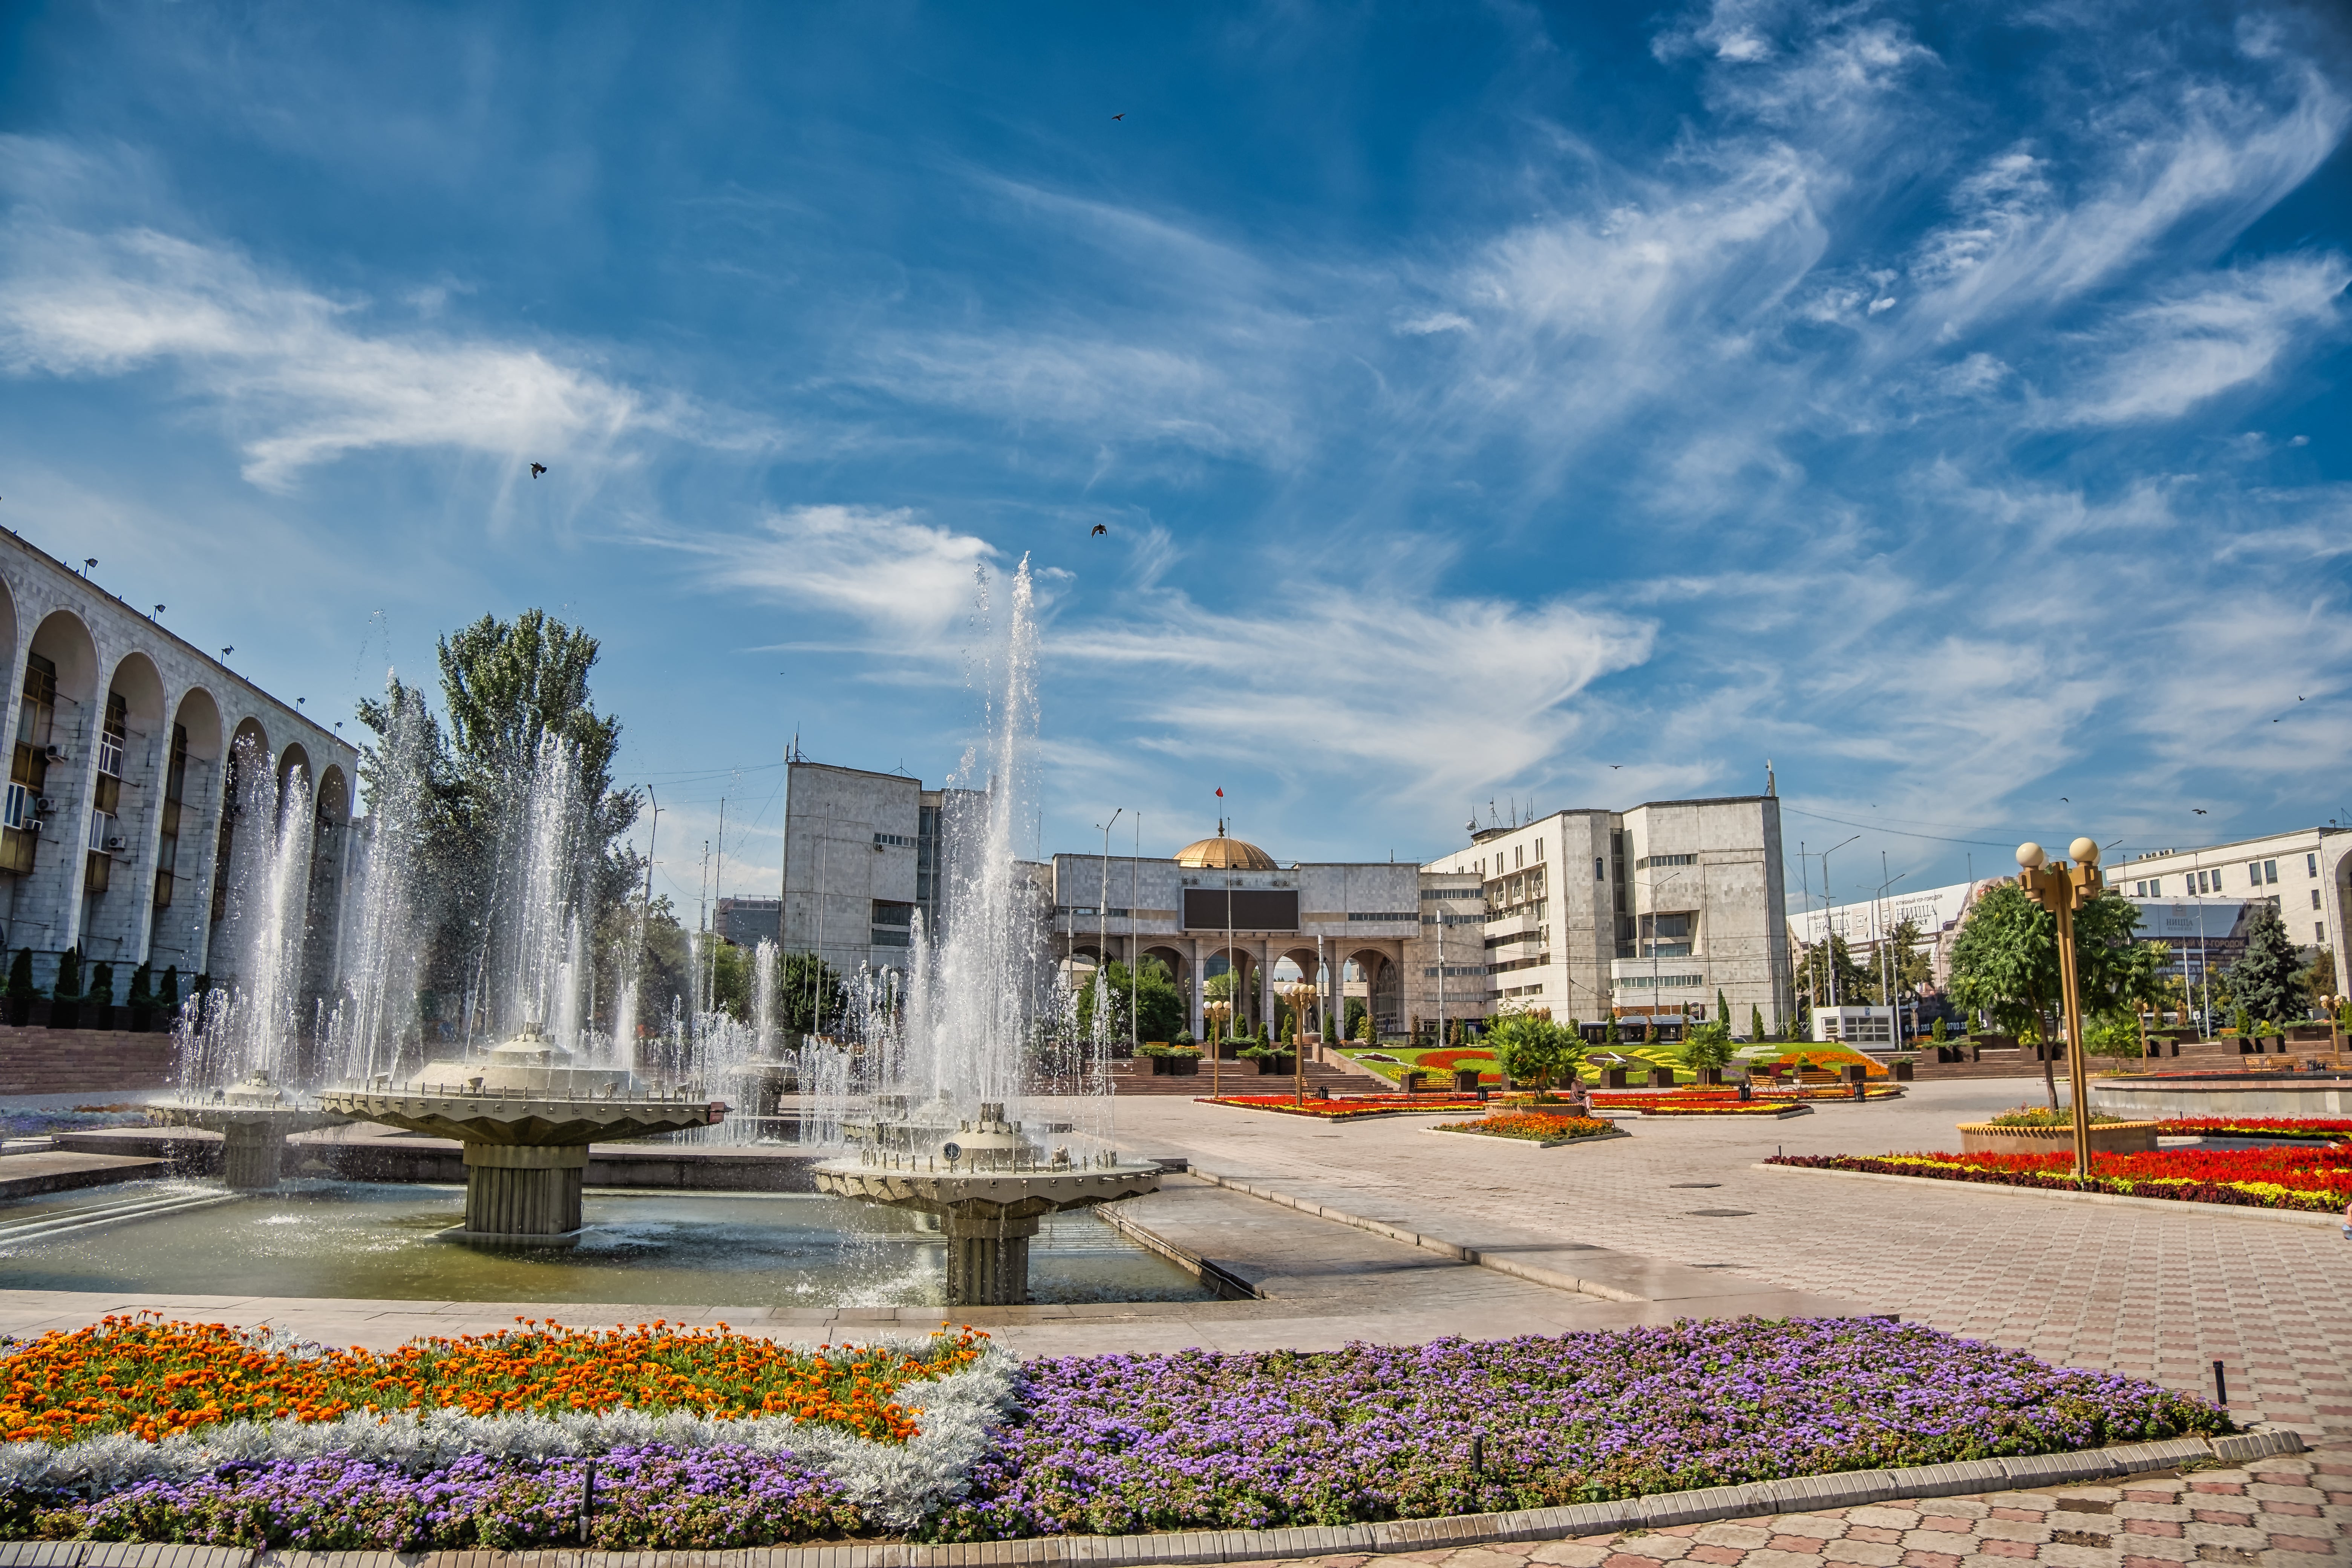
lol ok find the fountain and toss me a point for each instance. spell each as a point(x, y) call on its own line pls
point(976, 1000)
point(237, 1043)
point(526, 1117)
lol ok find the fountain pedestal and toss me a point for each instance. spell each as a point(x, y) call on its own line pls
point(989, 1187)
point(526, 1118)
point(254, 1120)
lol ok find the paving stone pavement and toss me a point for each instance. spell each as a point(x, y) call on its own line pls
point(2287, 1511)
point(2147, 1291)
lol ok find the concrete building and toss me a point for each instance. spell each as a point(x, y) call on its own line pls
point(122, 805)
point(1650, 910)
point(2306, 873)
point(1938, 912)
point(747, 922)
point(863, 854)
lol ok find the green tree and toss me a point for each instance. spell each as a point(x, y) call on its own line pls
point(1723, 1012)
point(167, 996)
point(1708, 1044)
point(1826, 969)
point(812, 994)
point(2268, 982)
point(20, 974)
point(1755, 1023)
point(101, 984)
point(2005, 963)
point(1532, 1048)
point(67, 986)
point(1158, 1005)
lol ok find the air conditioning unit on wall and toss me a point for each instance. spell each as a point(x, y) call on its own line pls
point(118, 843)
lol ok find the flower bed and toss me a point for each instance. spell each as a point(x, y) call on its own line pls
point(1339, 1109)
point(1534, 1127)
point(2314, 1129)
point(1676, 1105)
point(155, 1380)
point(2317, 1180)
point(1109, 1444)
point(1205, 1441)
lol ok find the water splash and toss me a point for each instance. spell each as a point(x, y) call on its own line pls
point(248, 1022)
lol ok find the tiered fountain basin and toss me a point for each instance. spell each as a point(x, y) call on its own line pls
point(526, 1118)
point(254, 1119)
point(989, 1186)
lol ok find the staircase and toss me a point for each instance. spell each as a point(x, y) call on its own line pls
point(1338, 1074)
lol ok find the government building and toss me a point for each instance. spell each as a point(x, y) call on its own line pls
point(1683, 898)
point(121, 811)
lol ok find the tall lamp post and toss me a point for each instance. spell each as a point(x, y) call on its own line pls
point(2062, 890)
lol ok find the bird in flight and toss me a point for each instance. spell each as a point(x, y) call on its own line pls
point(537, 469)
point(1614, 766)
point(2064, 801)
point(1099, 531)
point(2198, 809)
point(1121, 115)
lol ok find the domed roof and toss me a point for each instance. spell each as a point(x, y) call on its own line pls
point(1222, 854)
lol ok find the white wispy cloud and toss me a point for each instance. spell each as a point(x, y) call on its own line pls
point(905, 582)
point(302, 377)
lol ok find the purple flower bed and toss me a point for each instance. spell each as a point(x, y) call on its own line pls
point(648, 1497)
point(1115, 1445)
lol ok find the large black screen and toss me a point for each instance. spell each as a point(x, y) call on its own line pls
point(1255, 909)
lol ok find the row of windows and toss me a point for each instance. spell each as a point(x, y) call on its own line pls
point(1428, 893)
point(1457, 971)
point(1519, 860)
point(2259, 874)
point(894, 840)
point(1646, 861)
point(1539, 960)
point(1406, 917)
point(1643, 982)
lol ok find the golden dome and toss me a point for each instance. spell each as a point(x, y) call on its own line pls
point(1222, 854)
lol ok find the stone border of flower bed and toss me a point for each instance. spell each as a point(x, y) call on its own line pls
point(2175, 1206)
point(1847, 1488)
point(1530, 1142)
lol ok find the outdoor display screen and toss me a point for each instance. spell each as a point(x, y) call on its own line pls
point(1255, 909)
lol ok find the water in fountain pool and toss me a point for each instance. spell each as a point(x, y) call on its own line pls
point(382, 1241)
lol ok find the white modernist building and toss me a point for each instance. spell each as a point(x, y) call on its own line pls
point(1650, 910)
point(123, 798)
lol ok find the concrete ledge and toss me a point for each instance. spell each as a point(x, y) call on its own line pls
point(2116, 1200)
point(1853, 1488)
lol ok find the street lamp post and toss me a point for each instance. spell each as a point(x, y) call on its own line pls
point(2062, 890)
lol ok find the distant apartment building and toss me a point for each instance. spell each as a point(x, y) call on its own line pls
point(1651, 910)
point(747, 922)
point(2303, 873)
point(864, 853)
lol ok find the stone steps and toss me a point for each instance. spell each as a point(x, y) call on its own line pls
point(78, 1061)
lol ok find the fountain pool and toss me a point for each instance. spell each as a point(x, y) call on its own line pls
point(323, 1238)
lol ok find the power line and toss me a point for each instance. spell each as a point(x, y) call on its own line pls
point(1898, 832)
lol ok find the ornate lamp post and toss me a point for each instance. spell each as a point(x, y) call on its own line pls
point(2062, 889)
point(1300, 994)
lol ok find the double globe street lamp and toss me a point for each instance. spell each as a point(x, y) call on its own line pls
point(2062, 889)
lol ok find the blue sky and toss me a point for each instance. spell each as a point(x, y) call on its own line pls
point(1573, 406)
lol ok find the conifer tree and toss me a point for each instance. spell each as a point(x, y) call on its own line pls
point(2268, 980)
point(1755, 1022)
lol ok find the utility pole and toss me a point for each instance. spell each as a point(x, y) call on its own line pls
point(1102, 929)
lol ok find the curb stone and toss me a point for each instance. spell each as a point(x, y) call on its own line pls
point(1533, 1143)
point(2114, 1200)
point(1797, 1494)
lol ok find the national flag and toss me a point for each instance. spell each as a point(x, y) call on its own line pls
point(1221, 792)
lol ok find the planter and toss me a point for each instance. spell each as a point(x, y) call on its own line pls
point(1277, 1066)
point(1412, 1081)
point(1228, 1051)
point(1712, 1077)
point(1662, 1078)
point(2112, 1138)
point(1614, 1078)
point(65, 1015)
point(1903, 1072)
point(1465, 1080)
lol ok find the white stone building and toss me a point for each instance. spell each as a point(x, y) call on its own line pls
point(119, 817)
point(1650, 910)
point(2306, 873)
point(863, 853)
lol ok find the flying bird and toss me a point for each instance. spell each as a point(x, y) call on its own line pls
point(537, 469)
point(1614, 766)
point(2064, 801)
point(1121, 115)
point(2198, 809)
point(1099, 531)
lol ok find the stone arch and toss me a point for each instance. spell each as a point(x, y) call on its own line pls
point(293, 757)
point(1379, 980)
point(187, 816)
point(126, 717)
point(54, 714)
point(1239, 959)
point(249, 753)
point(1178, 969)
point(8, 623)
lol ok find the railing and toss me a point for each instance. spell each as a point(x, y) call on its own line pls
point(987, 1162)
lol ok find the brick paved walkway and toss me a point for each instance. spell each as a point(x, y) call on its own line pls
point(2152, 1292)
point(2289, 1512)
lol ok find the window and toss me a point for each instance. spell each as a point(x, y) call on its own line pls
point(2139, 890)
point(1598, 874)
point(1520, 857)
point(2311, 865)
point(2270, 870)
point(1539, 850)
point(893, 840)
point(2314, 898)
point(2319, 934)
point(1648, 860)
point(2200, 881)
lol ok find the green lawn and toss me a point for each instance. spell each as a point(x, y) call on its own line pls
point(1639, 1059)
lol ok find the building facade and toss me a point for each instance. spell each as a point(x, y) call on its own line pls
point(1651, 910)
point(1351, 930)
point(747, 922)
point(865, 853)
point(132, 773)
point(2306, 874)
